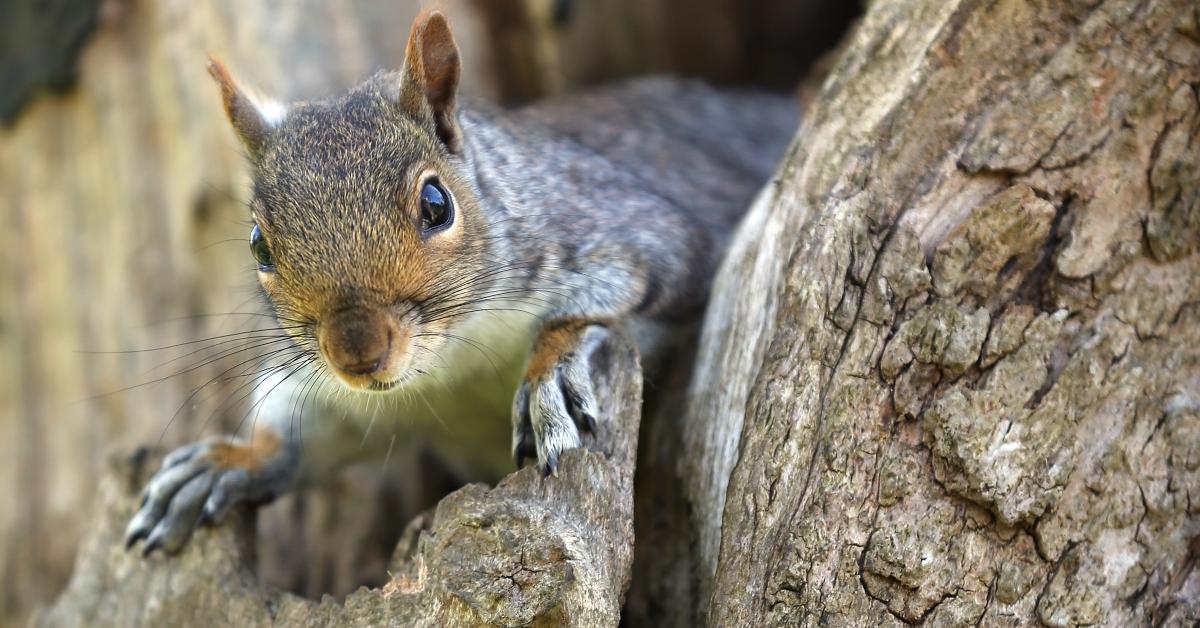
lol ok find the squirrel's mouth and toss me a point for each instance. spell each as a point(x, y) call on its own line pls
point(378, 386)
point(369, 383)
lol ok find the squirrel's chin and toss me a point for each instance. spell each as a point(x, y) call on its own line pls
point(368, 384)
point(378, 386)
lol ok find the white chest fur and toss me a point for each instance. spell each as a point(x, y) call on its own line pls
point(461, 406)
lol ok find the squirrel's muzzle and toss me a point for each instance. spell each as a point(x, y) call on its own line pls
point(357, 341)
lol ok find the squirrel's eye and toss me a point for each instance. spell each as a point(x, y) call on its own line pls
point(436, 211)
point(260, 250)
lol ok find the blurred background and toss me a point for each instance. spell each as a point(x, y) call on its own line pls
point(121, 192)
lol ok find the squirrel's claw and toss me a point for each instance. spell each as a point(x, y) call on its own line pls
point(552, 409)
point(524, 446)
point(178, 469)
point(192, 489)
point(175, 527)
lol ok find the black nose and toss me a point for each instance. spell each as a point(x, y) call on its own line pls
point(356, 340)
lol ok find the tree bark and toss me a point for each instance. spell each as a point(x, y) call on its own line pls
point(951, 369)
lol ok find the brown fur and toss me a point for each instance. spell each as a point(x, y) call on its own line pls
point(337, 198)
point(239, 106)
point(432, 69)
point(555, 342)
point(262, 446)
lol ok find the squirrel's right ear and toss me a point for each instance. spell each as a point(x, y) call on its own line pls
point(431, 71)
point(253, 118)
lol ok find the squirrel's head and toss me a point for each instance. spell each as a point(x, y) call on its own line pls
point(367, 230)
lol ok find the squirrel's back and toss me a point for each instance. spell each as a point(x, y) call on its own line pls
point(705, 148)
point(660, 168)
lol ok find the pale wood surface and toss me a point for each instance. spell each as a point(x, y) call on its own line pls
point(551, 550)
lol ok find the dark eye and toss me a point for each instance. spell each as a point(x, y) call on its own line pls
point(436, 210)
point(260, 250)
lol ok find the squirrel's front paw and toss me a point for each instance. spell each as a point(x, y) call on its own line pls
point(555, 400)
point(199, 482)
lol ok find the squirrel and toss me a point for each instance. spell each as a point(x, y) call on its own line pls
point(408, 240)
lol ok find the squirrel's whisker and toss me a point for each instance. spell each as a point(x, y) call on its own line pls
point(240, 334)
point(248, 342)
point(227, 352)
point(303, 361)
point(220, 377)
point(202, 364)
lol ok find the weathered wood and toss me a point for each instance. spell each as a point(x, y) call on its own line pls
point(958, 344)
point(550, 550)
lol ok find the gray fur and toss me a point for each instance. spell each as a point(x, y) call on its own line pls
point(550, 411)
point(601, 208)
point(189, 490)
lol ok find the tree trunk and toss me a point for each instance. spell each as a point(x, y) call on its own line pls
point(951, 370)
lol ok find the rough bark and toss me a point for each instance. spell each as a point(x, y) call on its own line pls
point(951, 371)
point(533, 550)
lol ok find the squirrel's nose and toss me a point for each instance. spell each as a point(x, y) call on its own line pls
point(356, 340)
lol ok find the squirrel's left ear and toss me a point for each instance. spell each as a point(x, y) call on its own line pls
point(431, 71)
point(253, 118)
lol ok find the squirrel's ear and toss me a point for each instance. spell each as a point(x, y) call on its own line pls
point(253, 118)
point(431, 70)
